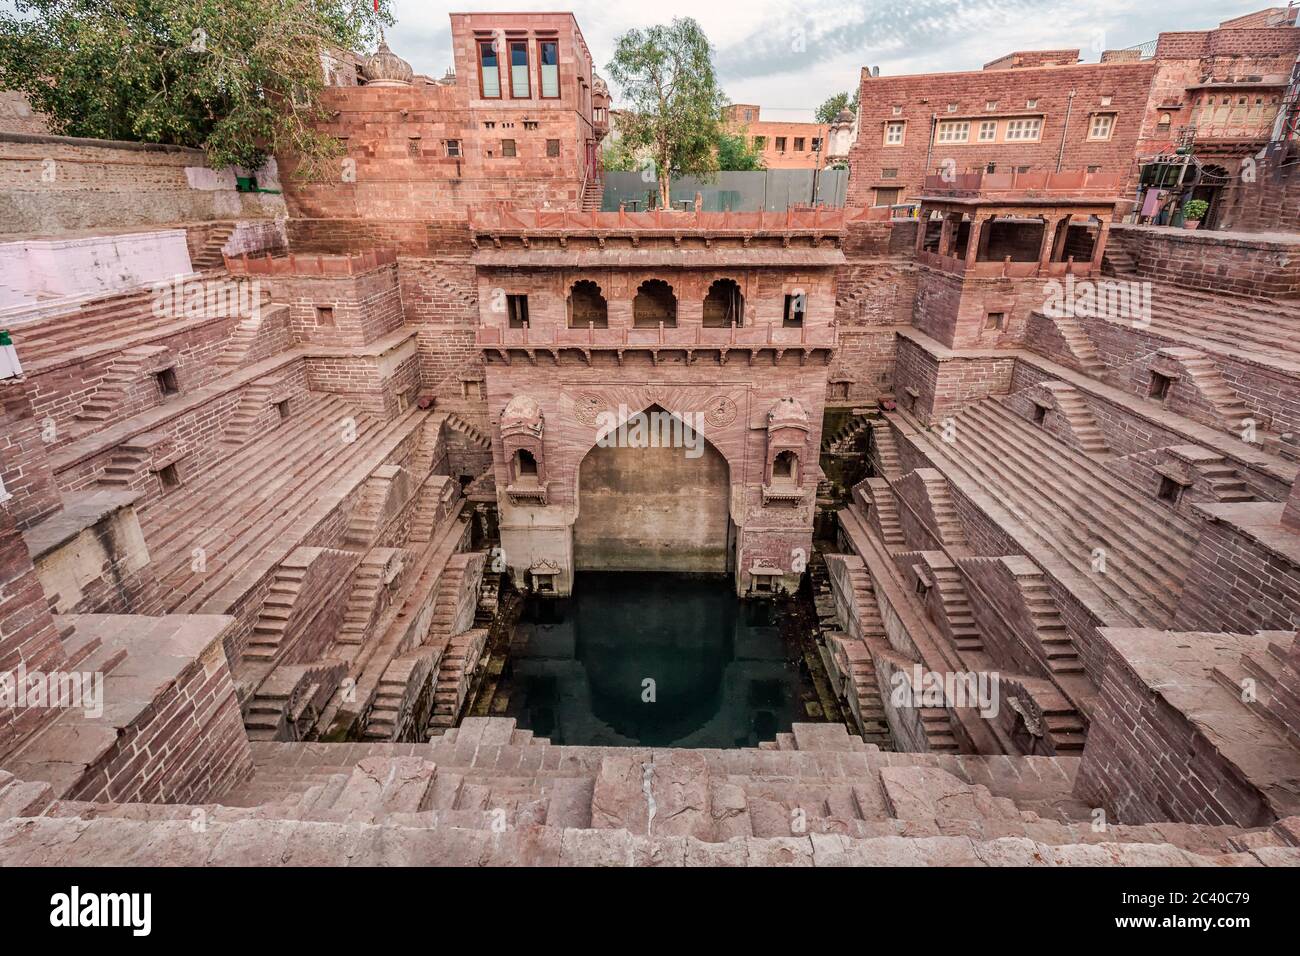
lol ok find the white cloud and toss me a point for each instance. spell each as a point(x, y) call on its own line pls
point(757, 55)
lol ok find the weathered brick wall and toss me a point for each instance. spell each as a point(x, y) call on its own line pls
point(1190, 782)
point(934, 388)
point(28, 633)
point(440, 299)
point(1240, 580)
point(1271, 203)
point(24, 462)
point(922, 96)
point(954, 309)
point(359, 308)
point(1260, 268)
point(17, 115)
point(53, 183)
point(189, 746)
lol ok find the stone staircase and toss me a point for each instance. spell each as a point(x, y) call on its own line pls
point(948, 525)
point(886, 447)
point(592, 195)
point(487, 793)
point(209, 255)
point(1050, 633)
point(881, 501)
point(846, 436)
point(455, 671)
point(470, 431)
point(269, 630)
point(1079, 418)
point(1223, 479)
point(1209, 384)
point(241, 341)
point(127, 370)
point(1080, 346)
point(294, 471)
point(1075, 509)
point(956, 608)
point(367, 586)
point(127, 466)
point(244, 421)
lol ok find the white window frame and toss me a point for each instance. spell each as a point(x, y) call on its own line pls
point(953, 132)
point(989, 127)
point(901, 127)
point(1028, 130)
point(1092, 127)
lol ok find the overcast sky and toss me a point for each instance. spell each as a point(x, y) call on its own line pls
point(789, 56)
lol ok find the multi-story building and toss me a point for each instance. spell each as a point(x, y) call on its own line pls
point(782, 145)
point(521, 113)
point(1044, 111)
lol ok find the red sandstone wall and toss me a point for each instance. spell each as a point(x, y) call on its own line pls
point(24, 463)
point(925, 95)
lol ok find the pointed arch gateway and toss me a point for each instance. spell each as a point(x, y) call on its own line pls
point(645, 505)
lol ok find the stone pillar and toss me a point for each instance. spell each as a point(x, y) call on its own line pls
point(973, 240)
point(1047, 248)
point(946, 235)
point(1099, 249)
point(1291, 514)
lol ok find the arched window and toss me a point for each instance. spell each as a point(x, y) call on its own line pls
point(785, 469)
point(654, 303)
point(724, 305)
point(587, 307)
point(525, 467)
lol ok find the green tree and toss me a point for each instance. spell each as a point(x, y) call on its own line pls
point(735, 151)
point(666, 79)
point(239, 79)
point(830, 109)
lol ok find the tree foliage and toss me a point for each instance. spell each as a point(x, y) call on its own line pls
point(239, 79)
point(735, 151)
point(830, 109)
point(670, 91)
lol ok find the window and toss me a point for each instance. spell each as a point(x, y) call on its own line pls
point(749, 116)
point(795, 307)
point(889, 173)
point(413, 146)
point(1107, 100)
point(894, 134)
point(1031, 104)
point(517, 309)
point(1024, 129)
point(283, 409)
point(653, 304)
point(167, 383)
point(1040, 414)
point(545, 583)
point(507, 147)
point(169, 477)
point(552, 148)
point(548, 58)
point(995, 320)
point(1102, 125)
point(785, 469)
point(760, 142)
point(988, 131)
point(952, 107)
point(780, 144)
point(1159, 388)
point(530, 124)
point(898, 111)
point(724, 306)
point(1169, 490)
point(798, 144)
point(520, 82)
point(817, 144)
point(991, 105)
point(954, 132)
point(453, 147)
point(887, 196)
point(525, 466)
point(325, 316)
point(1094, 169)
point(489, 72)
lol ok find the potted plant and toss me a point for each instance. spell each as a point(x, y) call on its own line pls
point(1194, 211)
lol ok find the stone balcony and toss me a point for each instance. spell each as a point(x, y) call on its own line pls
point(761, 336)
